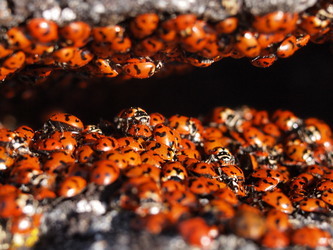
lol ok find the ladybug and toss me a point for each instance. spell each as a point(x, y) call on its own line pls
point(327, 196)
point(152, 158)
point(184, 125)
point(313, 25)
point(43, 193)
point(173, 171)
point(149, 192)
point(103, 68)
point(116, 156)
point(17, 39)
point(6, 136)
point(265, 184)
point(302, 40)
point(216, 143)
point(167, 136)
point(196, 232)
point(264, 173)
point(144, 25)
point(313, 205)
point(211, 133)
point(312, 237)
point(287, 48)
point(139, 68)
point(132, 157)
point(25, 132)
point(4, 51)
point(205, 169)
point(28, 159)
point(254, 136)
point(317, 131)
point(301, 181)
point(139, 131)
point(184, 21)
point(149, 47)
point(133, 115)
point(325, 185)
point(64, 122)
point(194, 39)
point(224, 116)
point(222, 155)
point(227, 195)
point(277, 220)
point(24, 224)
point(72, 57)
point(43, 30)
point(275, 239)
point(315, 170)
point(66, 139)
point(24, 174)
point(72, 186)
point(155, 223)
point(286, 120)
point(172, 185)
point(187, 144)
point(107, 34)
point(179, 197)
point(221, 209)
point(14, 62)
point(232, 173)
point(84, 154)
point(211, 50)
point(107, 50)
point(271, 129)
point(156, 118)
point(6, 161)
point(8, 205)
point(76, 34)
point(266, 40)
point(198, 61)
point(57, 161)
point(277, 21)
point(183, 154)
point(90, 138)
point(130, 142)
point(48, 145)
point(106, 143)
point(104, 172)
point(247, 44)
point(278, 200)
point(248, 224)
point(143, 170)
point(204, 186)
point(300, 153)
point(264, 61)
point(165, 152)
point(227, 25)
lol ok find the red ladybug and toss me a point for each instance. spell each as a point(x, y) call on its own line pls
point(104, 172)
point(43, 30)
point(278, 200)
point(311, 237)
point(247, 44)
point(76, 34)
point(65, 122)
point(139, 68)
point(264, 61)
point(72, 186)
point(144, 25)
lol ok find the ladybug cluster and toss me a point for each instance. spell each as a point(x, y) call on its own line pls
point(140, 46)
point(264, 177)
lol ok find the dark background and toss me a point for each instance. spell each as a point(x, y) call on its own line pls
point(302, 83)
